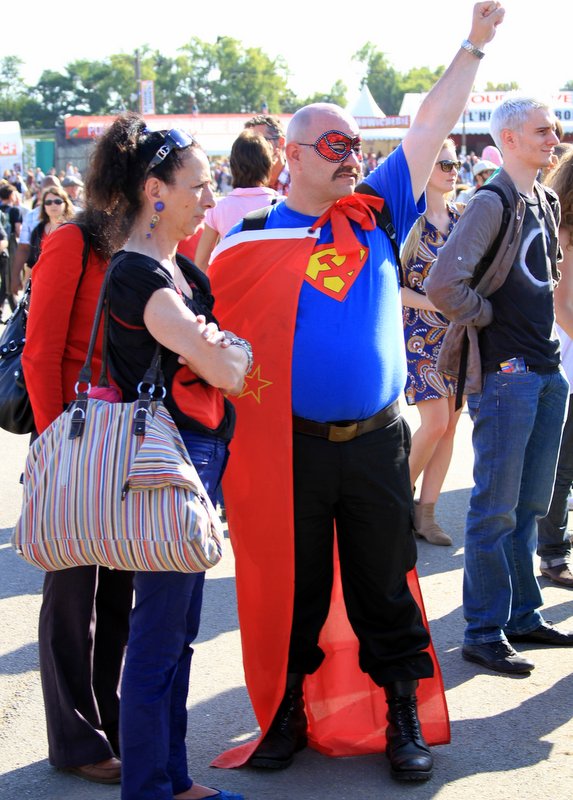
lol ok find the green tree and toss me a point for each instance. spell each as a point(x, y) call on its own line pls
point(512, 86)
point(381, 78)
point(13, 91)
point(91, 87)
point(336, 95)
point(420, 79)
point(225, 78)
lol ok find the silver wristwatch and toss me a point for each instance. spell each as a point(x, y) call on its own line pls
point(246, 346)
point(471, 48)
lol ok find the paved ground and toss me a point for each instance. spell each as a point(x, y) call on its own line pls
point(512, 738)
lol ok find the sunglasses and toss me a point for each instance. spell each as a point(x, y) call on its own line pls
point(448, 166)
point(336, 146)
point(57, 202)
point(175, 139)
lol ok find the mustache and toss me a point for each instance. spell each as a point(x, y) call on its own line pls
point(343, 169)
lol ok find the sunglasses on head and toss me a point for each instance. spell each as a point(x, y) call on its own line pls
point(57, 202)
point(336, 146)
point(174, 139)
point(447, 166)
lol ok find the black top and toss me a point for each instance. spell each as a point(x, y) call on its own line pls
point(193, 403)
point(523, 311)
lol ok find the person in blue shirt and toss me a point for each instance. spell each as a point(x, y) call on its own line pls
point(349, 445)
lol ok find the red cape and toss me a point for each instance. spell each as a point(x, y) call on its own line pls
point(256, 279)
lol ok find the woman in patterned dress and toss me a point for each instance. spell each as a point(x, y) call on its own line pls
point(424, 328)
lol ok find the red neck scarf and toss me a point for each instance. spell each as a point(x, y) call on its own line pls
point(356, 207)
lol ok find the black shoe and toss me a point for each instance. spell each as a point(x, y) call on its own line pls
point(499, 656)
point(546, 633)
point(287, 734)
point(409, 755)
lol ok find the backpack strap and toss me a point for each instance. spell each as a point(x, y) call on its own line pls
point(257, 219)
point(384, 221)
point(549, 199)
point(487, 259)
point(479, 272)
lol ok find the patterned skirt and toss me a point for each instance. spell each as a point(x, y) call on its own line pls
point(423, 333)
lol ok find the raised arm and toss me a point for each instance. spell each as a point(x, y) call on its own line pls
point(446, 101)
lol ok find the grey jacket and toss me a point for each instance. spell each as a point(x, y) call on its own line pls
point(448, 284)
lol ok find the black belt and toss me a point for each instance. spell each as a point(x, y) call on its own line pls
point(345, 431)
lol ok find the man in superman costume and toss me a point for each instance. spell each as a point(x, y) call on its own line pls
point(335, 642)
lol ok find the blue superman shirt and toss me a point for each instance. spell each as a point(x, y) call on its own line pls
point(348, 357)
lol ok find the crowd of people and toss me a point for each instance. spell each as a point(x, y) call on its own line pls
point(296, 334)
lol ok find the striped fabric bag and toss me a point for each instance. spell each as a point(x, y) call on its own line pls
point(112, 497)
point(113, 484)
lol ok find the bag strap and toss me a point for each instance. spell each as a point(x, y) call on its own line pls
point(152, 380)
point(480, 270)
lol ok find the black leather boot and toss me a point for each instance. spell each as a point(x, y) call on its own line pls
point(409, 755)
point(287, 733)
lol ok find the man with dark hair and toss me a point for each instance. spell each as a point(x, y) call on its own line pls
point(10, 205)
point(498, 294)
point(271, 128)
point(321, 444)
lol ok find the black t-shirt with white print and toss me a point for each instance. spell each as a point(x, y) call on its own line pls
point(523, 310)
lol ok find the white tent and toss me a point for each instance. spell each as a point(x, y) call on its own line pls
point(373, 123)
point(365, 108)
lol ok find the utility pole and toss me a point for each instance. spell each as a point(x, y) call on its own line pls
point(138, 80)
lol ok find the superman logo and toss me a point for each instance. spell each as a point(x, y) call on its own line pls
point(333, 274)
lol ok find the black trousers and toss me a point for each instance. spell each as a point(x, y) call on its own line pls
point(364, 487)
point(83, 630)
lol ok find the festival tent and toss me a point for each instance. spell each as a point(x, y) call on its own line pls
point(375, 126)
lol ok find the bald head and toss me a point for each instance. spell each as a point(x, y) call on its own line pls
point(314, 119)
point(323, 169)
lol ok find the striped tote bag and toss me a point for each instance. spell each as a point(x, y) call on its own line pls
point(119, 490)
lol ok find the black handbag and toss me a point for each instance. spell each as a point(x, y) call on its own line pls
point(16, 413)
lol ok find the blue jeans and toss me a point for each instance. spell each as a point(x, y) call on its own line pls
point(554, 545)
point(518, 420)
point(163, 624)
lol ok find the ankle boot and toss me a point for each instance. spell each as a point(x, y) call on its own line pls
point(287, 733)
point(426, 526)
point(409, 755)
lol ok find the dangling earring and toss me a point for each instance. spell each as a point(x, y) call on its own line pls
point(158, 206)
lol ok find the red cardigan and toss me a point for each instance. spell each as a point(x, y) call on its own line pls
point(59, 323)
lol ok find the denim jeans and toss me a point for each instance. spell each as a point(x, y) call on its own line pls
point(164, 622)
point(553, 542)
point(518, 420)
